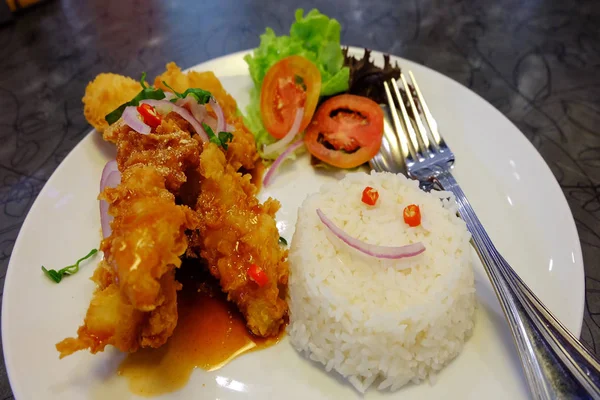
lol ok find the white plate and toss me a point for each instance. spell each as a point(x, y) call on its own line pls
point(510, 186)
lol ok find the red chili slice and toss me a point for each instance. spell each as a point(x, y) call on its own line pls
point(370, 196)
point(258, 275)
point(149, 114)
point(412, 215)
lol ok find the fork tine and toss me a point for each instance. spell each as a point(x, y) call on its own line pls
point(417, 118)
point(428, 117)
point(408, 127)
point(404, 146)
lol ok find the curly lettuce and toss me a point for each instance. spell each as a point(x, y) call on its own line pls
point(313, 36)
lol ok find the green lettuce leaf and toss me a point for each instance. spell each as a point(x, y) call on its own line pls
point(314, 36)
point(333, 85)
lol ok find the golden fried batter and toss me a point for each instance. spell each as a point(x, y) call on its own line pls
point(106, 93)
point(236, 231)
point(148, 234)
point(110, 319)
point(203, 80)
point(135, 304)
point(171, 149)
point(241, 153)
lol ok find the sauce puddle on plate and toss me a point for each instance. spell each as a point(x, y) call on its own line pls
point(210, 332)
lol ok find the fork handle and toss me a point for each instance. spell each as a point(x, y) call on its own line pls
point(556, 363)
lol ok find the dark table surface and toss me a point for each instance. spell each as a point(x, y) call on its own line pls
point(537, 61)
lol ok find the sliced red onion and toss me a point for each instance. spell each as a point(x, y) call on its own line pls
point(220, 115)
point(212, 122)
point(389, 252)
point(131, 117)
point(198, 110)
point(201, 114)
point(113, 180)
point(287, 139)
point(169, 96)
point(110, 166)
point(111, 177)
point(164, 107)
point(270, 173)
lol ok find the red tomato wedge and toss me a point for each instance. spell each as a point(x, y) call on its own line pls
point(292, 83)
point(346, 131)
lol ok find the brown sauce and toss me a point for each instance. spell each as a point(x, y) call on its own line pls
point(210, 332)
point(257, 175)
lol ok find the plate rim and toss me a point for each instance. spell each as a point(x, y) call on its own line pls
point(524, 142)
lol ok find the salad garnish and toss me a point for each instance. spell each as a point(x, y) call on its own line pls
point(346, 131)
point(222, 139)
point(287, 153)
point(280, 145)
point(291, 84)
point(340, 95)
point(143, 112)
point(57, 276)
point(201, 95)
point(366, 79)
point(313, 36)
point(146, 94)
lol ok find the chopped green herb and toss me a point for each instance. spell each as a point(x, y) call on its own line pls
point(146, 93)
point(282, 241)
point(201, 95)
point(221, 140)
point(143, 80)
point(224, 138)
point(57, 276)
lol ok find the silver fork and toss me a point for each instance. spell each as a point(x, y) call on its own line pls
point(555, 362)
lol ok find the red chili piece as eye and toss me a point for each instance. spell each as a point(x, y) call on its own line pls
point(412, 215)
point(370, 196)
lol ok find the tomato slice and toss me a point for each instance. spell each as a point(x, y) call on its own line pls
point(292, 83)
point(346, 131)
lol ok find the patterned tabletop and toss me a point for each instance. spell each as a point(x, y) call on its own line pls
point(537, 61)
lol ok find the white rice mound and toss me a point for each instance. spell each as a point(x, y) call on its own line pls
point(372, 320)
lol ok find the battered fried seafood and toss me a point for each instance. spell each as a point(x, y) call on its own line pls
point(241, 152)
point(204, 80)
point(235, 229)
point(135, 304)
point(170, 148)
point(164, 172)
point(235, 232)
point(105, 93)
